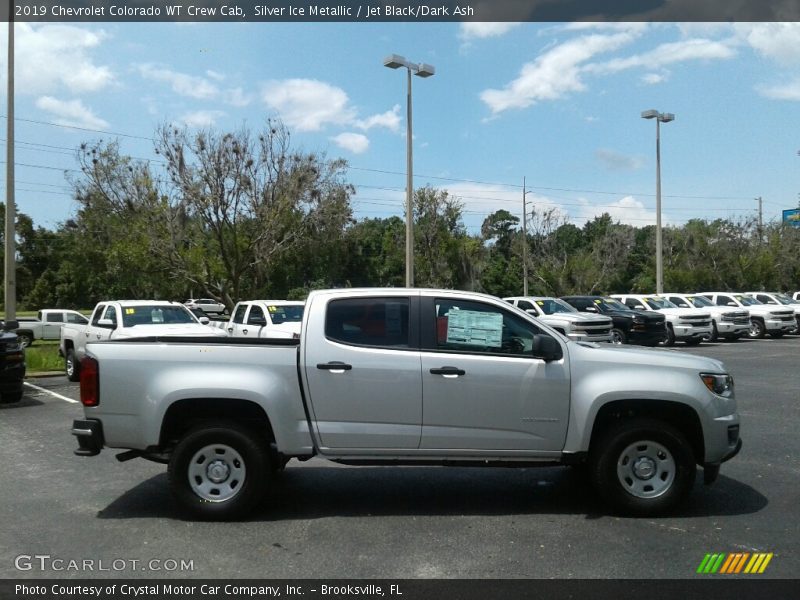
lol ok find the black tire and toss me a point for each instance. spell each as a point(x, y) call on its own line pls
point(11, 398)
point(618, 337)
point(714, 333)
point(72, 366)
point(757, 329)
point(776, 334)
point(243, 459)
point(614, 476)
point(25, 338)
point(693, 341)
point(669, 337)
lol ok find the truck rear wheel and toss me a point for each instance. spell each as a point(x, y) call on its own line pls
point(219, 472)
point(643, 467)
point(72, 366)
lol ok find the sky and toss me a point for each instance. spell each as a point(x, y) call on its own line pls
point(554, 105)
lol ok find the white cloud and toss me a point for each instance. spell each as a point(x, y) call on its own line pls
point(667, 54)
point(616, 161)
point(654, 78)
point(554, 74)
point(354, 142)
point(777, 41)
point(237, 97)
point(627, 210)
point(215, 75)
point(475, 30)
point(308, 104)
point(181, 83)
point(201, 118)
point(71, 113)
point(50, 58)
point(390, 120)
point(785, 91)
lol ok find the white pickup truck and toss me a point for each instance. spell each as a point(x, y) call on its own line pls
point(566, 319)
point(683, 324)
point(120, 319)
point(47, 325)
point(408, 376)
point(764, 318)
point(264, 319)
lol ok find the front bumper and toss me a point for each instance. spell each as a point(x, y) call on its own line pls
point(777, 325)
point(690, 332)
point(90, 436)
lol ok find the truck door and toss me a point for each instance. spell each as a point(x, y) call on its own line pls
point(254, 322)
point(362, 373)
point(236, 323)
point(482, 388)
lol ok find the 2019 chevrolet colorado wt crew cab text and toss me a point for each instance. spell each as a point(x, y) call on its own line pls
point(408, 376)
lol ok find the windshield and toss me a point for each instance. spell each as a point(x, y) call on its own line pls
point(747, 300)
point(155, 315)
point(286, 314)
point(611, 304)
point(784, 299)
point(550, 306)
point(658, 303)
point(700, 301)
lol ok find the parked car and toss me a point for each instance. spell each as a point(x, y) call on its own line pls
point(124, 319)
point(498, 387)
point(629, 326)
point(565, 319)
point(47, 325)
point(779, 299)
point(207, 305)
point(683, 325)
point(265, 319)
point(12, 364)
point(763, 318)
point(725, 322)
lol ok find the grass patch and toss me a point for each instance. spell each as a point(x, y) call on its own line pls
point(43, 356)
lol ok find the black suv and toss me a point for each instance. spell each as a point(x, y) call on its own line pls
point(12, 364)
point(630, 326)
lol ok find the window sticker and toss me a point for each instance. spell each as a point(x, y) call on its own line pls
point(540, 302)
point(130, 311)
point(475, 328)
point(598, 301)
point(272, 309)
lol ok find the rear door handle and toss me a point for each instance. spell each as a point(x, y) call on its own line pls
point(448, 372)
point(335, 366)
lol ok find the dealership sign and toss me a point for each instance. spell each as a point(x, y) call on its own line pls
point(791, 217)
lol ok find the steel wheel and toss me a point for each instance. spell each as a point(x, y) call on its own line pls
point(618, 336)
point(757, 329)
point(25, 339)
point(216, 473)
point(646, 469)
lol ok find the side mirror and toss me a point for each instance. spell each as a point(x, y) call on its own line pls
point(532, 311)
point(106, 324)
point(591, 309)
point(204, 320)
point(546, 348)
point(258, 321)
point(731, 304)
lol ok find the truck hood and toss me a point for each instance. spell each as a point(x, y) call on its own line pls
point(685, 312)
point(662, 359)
point(766, 309)
point(582, 318)
point(185, 329)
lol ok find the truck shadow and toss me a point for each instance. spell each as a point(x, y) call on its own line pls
point(318, 492)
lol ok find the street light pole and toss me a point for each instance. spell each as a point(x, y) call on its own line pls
point(660, 118)
point(395, 61)
point(9, 286)
point(524, 240)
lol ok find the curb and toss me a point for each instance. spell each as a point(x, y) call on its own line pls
point(40, 374)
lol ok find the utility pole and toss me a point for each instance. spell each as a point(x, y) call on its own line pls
point(760, 221)
point(524, 240)
point(10, 286)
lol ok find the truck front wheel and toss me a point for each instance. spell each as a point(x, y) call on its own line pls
point(643, 467)
point(757, 329)
point(219, 472)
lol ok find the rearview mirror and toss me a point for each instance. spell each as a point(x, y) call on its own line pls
point(546, 348)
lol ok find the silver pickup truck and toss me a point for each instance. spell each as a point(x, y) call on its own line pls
point(408, 376)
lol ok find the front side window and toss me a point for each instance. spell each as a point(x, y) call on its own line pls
point(256, 316)
point(379, 322)
point(98, 314)
point(467, 326)
point(111, 314)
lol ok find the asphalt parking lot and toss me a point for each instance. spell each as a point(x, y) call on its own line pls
point(325, 521)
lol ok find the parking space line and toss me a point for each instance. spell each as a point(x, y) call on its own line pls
point(46, 391)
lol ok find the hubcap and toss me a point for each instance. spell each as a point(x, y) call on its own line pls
point(216, 473)
point(646, 469)
point(616, 338)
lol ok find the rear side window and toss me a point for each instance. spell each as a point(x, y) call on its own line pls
point(238, 316)
point(380, 322)
point(55, 318)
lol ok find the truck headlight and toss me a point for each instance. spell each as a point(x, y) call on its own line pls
point(719, 383)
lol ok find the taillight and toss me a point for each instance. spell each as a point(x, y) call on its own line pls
point(90, 381)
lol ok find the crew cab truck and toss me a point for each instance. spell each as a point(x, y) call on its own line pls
point(779, 299)
point(774, 320)
point(725, 322)
point(413, 377)
point(629, 326)
point(580, 327)
point(47, 325)
point(683, 325)
point(265, 319)
point(121, 319)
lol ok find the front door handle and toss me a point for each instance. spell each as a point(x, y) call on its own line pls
point(244, 331)
point(448, 372)
point(335, 366)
